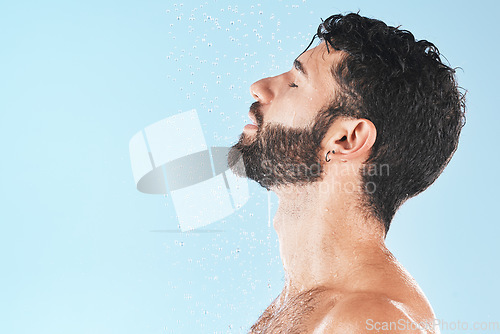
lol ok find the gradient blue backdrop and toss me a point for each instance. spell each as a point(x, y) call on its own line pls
point(82, 251)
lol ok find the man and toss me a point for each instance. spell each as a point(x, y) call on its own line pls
point(362, 122)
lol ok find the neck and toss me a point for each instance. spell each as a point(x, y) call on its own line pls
point(325, 240)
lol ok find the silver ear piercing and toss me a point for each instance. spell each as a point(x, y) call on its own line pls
point(327, 159)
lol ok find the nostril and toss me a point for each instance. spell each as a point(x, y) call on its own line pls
point(254, 93)
point(261, 90)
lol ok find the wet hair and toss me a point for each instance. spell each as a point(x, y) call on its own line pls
point(402, 86)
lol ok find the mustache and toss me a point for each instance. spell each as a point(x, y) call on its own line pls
point(255, 111)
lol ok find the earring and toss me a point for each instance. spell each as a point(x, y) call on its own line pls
point(327, 159)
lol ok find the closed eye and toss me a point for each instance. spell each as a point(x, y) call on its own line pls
point(292, 84)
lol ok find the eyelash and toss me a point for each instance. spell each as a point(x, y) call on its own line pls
point(292, 84)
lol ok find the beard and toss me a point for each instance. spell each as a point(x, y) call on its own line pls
point(280, 155)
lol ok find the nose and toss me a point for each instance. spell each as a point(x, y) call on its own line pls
point(262, 90)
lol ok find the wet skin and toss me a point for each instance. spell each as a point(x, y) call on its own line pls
point(339, 275)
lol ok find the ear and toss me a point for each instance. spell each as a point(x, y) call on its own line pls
point(350, 138)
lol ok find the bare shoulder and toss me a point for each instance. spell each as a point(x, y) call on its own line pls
point(370, 313)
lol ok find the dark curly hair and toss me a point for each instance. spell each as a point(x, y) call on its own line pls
point(412, 98)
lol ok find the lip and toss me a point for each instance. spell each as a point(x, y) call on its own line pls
point(252, 118)
point(251, 127)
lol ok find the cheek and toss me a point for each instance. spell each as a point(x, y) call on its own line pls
point(296, 110)
point(307, 108)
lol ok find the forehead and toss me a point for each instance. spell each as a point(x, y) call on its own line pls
point(318, 62)
point(321, 54)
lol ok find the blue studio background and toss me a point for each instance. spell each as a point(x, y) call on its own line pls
point(82, 251)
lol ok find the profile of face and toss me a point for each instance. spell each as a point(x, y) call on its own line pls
point(282, 146)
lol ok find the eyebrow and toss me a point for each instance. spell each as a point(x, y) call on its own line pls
point(299, 67)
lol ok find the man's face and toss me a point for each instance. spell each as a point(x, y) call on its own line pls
point(282, 147)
